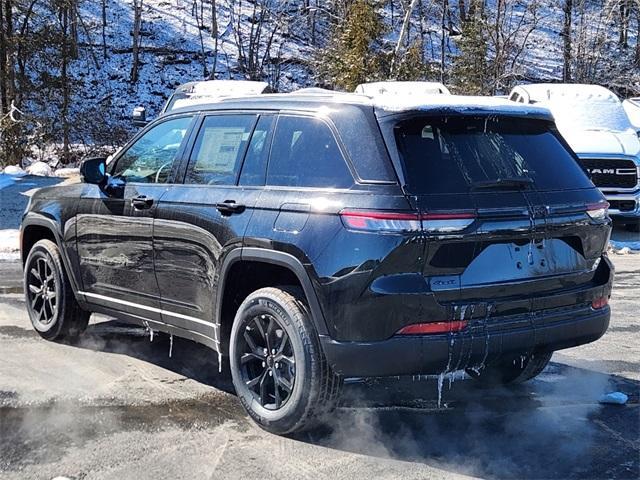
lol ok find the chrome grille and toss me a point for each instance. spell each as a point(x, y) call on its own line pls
point(611, 172)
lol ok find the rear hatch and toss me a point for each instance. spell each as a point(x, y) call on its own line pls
point(508, 213)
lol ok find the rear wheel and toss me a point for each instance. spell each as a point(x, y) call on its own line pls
point(512, 369)
point(53, 309)
point(279, 370)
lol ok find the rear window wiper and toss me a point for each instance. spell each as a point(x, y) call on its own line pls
point(507, 182)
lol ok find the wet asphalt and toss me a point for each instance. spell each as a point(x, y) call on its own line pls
point(115, 405)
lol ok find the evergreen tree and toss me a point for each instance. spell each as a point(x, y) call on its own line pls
point(411, 66)
point(353, 55)
point(470, 73)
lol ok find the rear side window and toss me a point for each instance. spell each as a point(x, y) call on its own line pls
point(255, 161)
point(456, 154)
point(217, 155)
point(305, 154)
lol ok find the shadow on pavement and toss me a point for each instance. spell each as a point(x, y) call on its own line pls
point(552, 427)
point(188, 358)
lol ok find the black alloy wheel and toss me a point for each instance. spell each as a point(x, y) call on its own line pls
point(43, 292)
point(53, 309)
point(267, 361)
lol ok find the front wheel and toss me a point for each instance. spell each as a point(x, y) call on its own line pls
point(511, 370)
point(53, 309)
point(279, 370)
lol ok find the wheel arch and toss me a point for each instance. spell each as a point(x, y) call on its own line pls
point(285, 262)
point(37, 227)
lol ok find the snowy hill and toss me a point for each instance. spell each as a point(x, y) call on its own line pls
point(278, 42)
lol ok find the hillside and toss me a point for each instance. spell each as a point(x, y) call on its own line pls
point(73, 103)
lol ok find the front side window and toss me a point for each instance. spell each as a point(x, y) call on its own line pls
point(150, 159)
point(305, 154)
point(219, 149)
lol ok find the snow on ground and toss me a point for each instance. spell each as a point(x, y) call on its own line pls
point(624, 247)
point(9, 244)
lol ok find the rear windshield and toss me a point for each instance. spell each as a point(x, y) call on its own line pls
point(460, 153)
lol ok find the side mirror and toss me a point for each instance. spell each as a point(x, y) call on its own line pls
point(139, 116)
point(94, 170)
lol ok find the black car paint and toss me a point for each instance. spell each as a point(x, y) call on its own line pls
point(165, 266)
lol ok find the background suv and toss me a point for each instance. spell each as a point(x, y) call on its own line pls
point(594, 122)
point(313, 237)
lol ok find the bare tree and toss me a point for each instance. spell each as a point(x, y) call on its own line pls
point(255, 43)
point(197, 11)
point(7, 78)
point(566, 36)
point(512, 23)
point(214, 35)
point(402, 36)
point(445, 7)
point(104, 29)
point(136, 43)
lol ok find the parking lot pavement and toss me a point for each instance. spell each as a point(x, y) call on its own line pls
point(116, 406)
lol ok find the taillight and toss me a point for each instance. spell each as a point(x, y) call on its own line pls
point(599, 302)
point(381, 221)
point(433, 327)
point(598, 211)
point(406, 222)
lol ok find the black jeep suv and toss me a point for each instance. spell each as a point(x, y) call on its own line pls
point(312, 237)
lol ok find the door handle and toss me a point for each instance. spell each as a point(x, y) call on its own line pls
point(229, 207)
point(142, 202)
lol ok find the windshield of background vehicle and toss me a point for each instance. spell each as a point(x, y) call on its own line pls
point(590, 115)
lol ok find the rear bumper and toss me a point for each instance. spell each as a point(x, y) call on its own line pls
point(482, 342)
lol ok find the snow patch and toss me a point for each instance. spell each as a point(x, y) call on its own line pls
point(67, 172)
point(614, 398)
point(40, 169)
point(625, 247)
point(14, 170)
point(457, 103)
point(9, 242)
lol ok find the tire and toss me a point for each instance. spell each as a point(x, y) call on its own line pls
point(52, 307)
point(511, 370)
point(278, 319)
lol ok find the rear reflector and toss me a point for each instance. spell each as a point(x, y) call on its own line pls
point(433, 327)
point(598, 211)
point(599, 302)
point(406, 222)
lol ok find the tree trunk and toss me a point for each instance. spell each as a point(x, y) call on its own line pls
point(624, 23)
point(4, 105)
point(104, 29)
point(445, 7)
point(637, 59)
point(214, 35)
point(566, 35)
point(7, 73)
point(137, 24)
point(463, 11)
point(404, 31)
point(64, 79)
